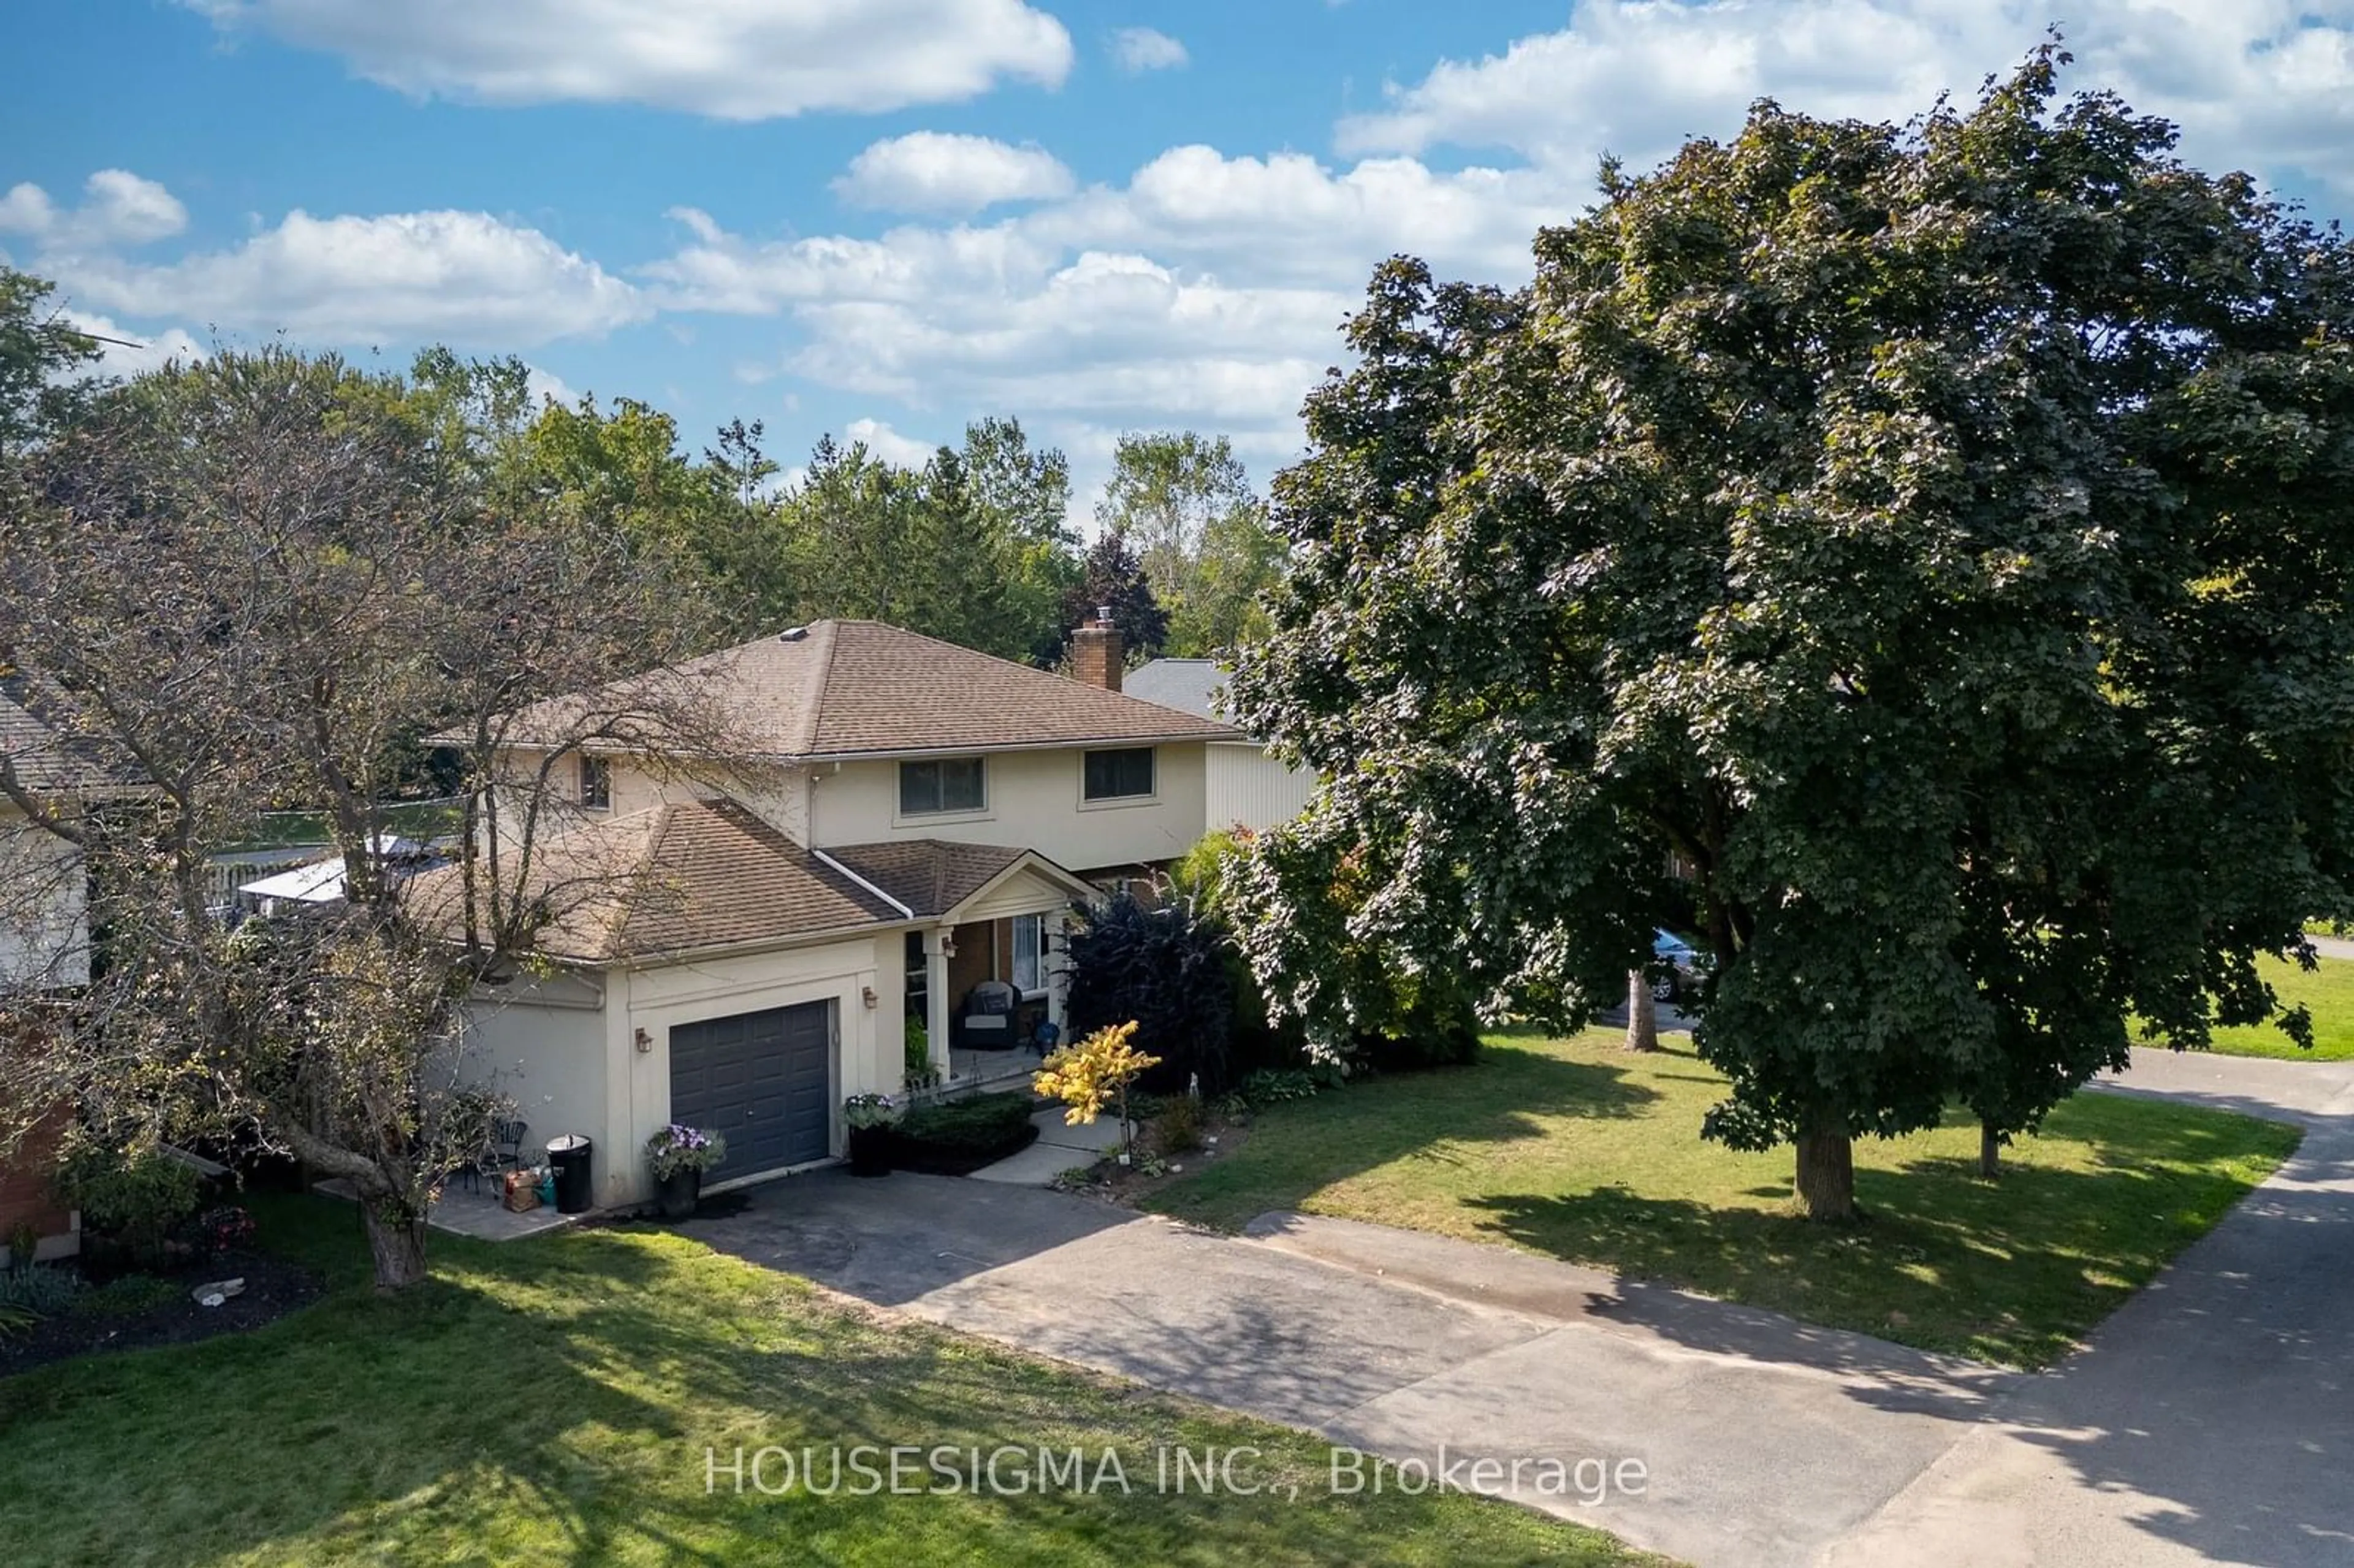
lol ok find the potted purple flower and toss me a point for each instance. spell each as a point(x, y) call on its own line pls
point(679, 1155)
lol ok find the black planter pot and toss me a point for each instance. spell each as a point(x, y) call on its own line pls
point(676, 1195)
point(870, 1152)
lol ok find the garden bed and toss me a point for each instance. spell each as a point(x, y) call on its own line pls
point(109, 1318)
point(958, 1136)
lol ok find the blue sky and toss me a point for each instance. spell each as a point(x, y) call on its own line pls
point(883, 217)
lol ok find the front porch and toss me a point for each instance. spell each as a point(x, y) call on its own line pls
point(982, 1072)
point(988, 995)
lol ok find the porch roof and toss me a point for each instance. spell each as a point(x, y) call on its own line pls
point(932, 877)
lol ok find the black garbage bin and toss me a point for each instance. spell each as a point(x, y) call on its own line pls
point(567, 1156)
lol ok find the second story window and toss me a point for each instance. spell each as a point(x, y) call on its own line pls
point(596, 783)
point(949, 784)
point(1122, 775)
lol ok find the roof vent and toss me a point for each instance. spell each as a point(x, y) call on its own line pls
point(793, 634)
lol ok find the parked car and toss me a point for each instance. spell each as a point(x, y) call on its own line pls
point(1680, 967)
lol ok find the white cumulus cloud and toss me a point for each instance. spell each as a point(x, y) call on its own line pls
point(118, 208)
point(2267, 84)
point(124, 352)
point(466, 278)
point(887, 443)
point(733, 59)
point(929, 171)
point(1140, 50)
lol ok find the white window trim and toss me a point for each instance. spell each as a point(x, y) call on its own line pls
point(581, 765)
point(1030, 993)
point(902, 818)
point(1119, 802)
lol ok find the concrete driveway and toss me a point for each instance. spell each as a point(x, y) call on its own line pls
point(2208, 1421)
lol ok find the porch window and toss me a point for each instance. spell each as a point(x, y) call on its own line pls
point(1030, 954)
point(918, 979)
point(949, 784)
point(1122, 775)
point(596, 783)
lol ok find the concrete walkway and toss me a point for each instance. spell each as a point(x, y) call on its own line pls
point(1059, 1147)
point(2208, 1421)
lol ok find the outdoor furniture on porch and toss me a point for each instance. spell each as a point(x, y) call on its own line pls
point(504, 1153)
point(986, 1021)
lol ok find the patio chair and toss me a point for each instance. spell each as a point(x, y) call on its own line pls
point(986, 1021)
point(504, 1153)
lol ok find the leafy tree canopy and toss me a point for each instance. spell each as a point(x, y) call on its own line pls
point(1919, 554)
point(38, 350)
point(1185, 504)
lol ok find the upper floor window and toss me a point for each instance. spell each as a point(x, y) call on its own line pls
point(1122, 775)
point(947, 784)
point(596, 783)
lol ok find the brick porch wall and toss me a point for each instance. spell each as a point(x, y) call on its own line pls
point(25, 1197)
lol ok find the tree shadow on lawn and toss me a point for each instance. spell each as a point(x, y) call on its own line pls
point(2014, 1271)
point(560, 1402)
point(1304, 1147)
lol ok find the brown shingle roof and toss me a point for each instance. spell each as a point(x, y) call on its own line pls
point(45, 765)
point(927, 876)
point(848, 688)
point(674, 879)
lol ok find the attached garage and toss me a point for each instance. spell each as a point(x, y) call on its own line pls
point(766, 1080)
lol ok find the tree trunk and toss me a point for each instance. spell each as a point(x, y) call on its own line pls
point(1827, 1171)
point(1989, 1150)
point(1643, 1014)
point(396, 1243)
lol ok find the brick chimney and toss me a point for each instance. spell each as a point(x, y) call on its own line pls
point(1095, 653)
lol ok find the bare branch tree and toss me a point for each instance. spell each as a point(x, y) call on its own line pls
point(259, 584)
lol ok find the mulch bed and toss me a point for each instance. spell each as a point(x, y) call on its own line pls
point(272, 1290)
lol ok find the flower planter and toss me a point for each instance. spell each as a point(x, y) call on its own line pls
point(870, 1152)
point(676, 1195)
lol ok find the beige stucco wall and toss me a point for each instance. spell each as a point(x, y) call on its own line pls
point(544, 1044)
point(575, 1067)
point(779, 796)
point(44, 914)
point(1034, 802)
point(660, 1000)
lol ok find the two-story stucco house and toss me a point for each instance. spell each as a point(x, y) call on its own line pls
point(900, 820)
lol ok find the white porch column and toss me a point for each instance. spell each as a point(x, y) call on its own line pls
point(936, 999)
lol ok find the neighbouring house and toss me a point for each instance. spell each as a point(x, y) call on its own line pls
point(313, 884)
point(900, 824)
point(1243, 786)
point(45, 936)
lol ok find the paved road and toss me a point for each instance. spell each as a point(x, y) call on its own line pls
point(2208, 1421)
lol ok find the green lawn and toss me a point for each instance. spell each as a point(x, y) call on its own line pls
point(2327, 992)
point(1576, 1150)
point(552, 1400)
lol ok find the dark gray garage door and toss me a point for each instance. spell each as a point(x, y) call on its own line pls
point(764, 1079)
